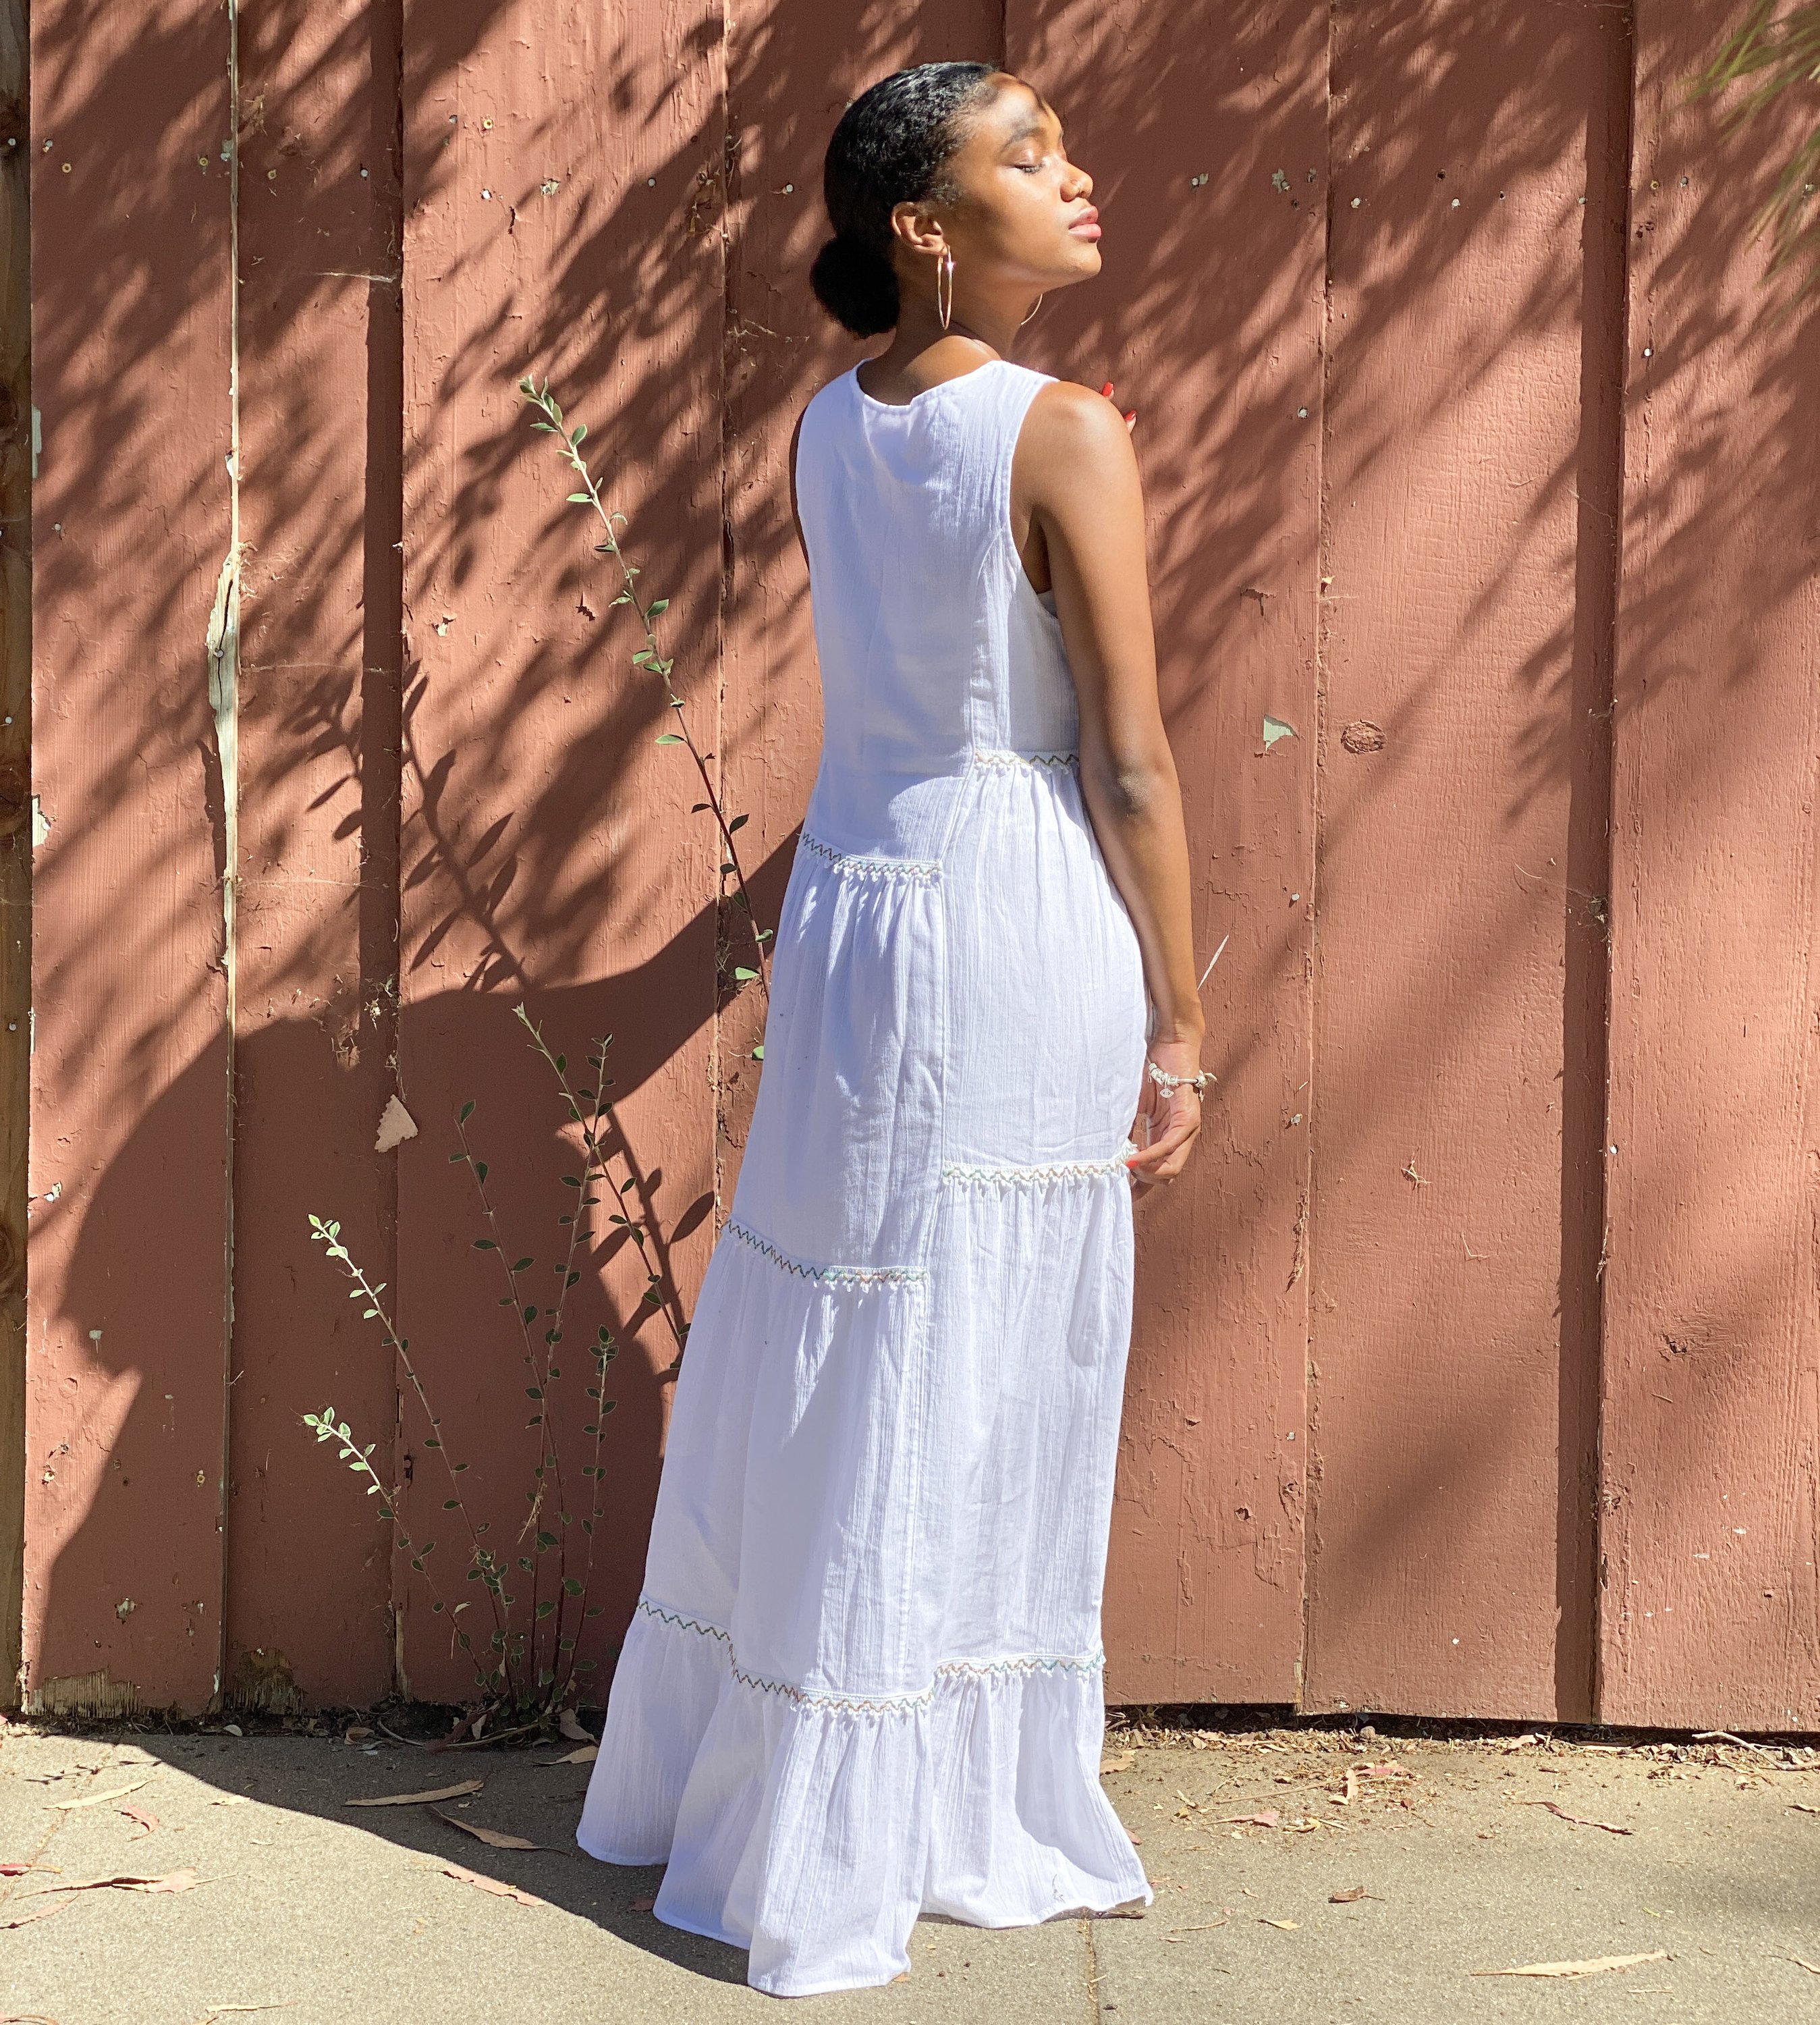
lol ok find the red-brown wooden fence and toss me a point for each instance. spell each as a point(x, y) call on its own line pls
point(1476, 1367)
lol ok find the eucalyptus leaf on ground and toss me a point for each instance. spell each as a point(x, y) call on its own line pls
point(417, 1799)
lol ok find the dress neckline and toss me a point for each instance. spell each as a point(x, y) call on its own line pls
point(941, 386)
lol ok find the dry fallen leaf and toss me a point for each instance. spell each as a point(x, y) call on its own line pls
point(569, 1724)
point(355, 1732)
point(19, 1869)
point(1288, 1926)
point(642, 1905)
point(1122, 1762)
point(1268, 1819)
point(1578, 1820)
point(416, 1799)
point(1207, 1926)
point(586, 1755)
point(1813, 1968)
point(1597, 1967)
point(497, 1886)
point(127, 1880)
point(1801, 1807)
point(493, 1838)
point(1348, 1897)
point(95, 1799)
point(146, 1821)
point(396, 1125)
point(38, 1913)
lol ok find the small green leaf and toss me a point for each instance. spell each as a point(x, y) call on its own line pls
point(669, 738)
point(466, 1112)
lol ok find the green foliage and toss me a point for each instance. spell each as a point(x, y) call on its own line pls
point(736, 912)
point(536, 1675)
point(1773, 55)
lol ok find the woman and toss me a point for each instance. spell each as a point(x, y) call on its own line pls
point(864, 1677)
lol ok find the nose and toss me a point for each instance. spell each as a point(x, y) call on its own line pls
point(1083, 185)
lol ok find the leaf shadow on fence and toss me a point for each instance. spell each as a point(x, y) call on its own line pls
point(450, 799)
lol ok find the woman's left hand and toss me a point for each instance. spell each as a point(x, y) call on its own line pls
point(1173, 1118)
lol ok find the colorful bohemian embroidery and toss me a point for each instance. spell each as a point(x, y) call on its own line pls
point(987, 756)
point(864, 1276)
point(921, 870)
point(1060, 1171)
point(1035, 1662)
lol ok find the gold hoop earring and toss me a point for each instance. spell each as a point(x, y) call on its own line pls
point(945, 272)
point(1037, 305)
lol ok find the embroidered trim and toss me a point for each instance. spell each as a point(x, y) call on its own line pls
point(1060, 1171)
point(922, 870)
point(988, 755)
point(1035, 1662)
point(856, 1275)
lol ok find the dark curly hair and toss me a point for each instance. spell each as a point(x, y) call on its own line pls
point(890, 147)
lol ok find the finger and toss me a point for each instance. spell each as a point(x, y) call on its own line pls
point(1153, 1156)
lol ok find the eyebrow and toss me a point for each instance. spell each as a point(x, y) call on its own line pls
point(1033, 126)
point(1030, 127)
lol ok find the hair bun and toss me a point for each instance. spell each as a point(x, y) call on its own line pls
point(856, 284)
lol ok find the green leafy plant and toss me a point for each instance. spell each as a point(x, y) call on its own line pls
point(651, 658)
point(526, 1671)
point(1776, 54)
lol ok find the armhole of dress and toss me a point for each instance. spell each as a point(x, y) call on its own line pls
point(1017, 412)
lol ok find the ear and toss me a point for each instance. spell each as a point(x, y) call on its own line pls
point(918, 229)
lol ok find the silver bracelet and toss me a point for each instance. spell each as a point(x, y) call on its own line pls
point(1167, 1083)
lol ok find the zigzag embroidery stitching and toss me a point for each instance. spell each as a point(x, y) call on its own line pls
point(1064, 1171)
point(985, 755)
point(922, 870)
point(1045, 1662)
point(858, 1275)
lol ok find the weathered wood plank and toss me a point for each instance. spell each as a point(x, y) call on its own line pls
point(316, 960)
point(1711, 1441)
point(15, 818)
point(132, 534)
point(1207, 317)
point(564, 194)
point(1459, 941)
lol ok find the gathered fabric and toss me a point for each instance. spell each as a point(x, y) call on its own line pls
point(864, 1678)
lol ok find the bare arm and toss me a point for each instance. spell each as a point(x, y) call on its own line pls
point(1075, 484)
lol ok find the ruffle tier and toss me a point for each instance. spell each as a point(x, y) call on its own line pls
point(813, 1829)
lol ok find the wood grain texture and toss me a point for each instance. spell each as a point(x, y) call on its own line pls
point(316, 941)
point(1450, 1546)
point(15, 819)
point(132, 521)
point(1710, 1478)
point(564, 195)
point(1206, 316)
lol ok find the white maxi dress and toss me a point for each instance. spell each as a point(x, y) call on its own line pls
point(864, 1679)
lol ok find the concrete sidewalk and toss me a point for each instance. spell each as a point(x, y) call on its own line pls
point(328, 1913)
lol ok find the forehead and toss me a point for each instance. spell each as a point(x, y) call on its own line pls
point(1015, 112)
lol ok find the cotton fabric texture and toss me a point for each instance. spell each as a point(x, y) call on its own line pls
point(864, 1677)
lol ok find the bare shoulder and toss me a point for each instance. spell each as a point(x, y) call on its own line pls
point(1074, 433)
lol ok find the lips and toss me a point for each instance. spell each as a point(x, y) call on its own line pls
point(1087, 225)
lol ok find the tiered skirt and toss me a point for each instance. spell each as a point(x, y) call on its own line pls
point(864, 1678)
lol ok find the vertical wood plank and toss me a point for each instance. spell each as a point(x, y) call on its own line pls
point(15, 817)
point(316, 953)
point(1458, 924)
point(132, 337)
point(1711, 1437)
point(1205, 134)
point(564, 194)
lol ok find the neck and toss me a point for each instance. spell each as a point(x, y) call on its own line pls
point(920, 328)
